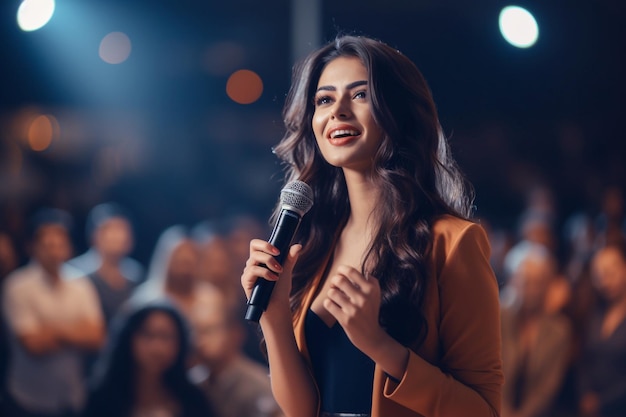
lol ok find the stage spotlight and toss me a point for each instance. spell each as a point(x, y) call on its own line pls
point(518, 26)
point(34, 14)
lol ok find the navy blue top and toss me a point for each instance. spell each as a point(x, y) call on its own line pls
point(344, 375)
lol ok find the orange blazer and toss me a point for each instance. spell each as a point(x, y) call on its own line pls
point(457, 371)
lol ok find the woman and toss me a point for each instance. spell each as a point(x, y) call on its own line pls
point(143, 373)
point(388, 306)
point(174, 272)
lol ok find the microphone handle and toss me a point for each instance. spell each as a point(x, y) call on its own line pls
point(281, 237)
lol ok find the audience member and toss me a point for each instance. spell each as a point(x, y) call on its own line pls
point(603, 363)
point(540, 199)
point(535, 227)
point(224, 251)
point(173, 272)
point(534, 342)
point(217, 265)
point(52, 321)
point(236, 385)
point(143, 372)
point(579, 240)
point(107, 264)
point(579, 236)
point(611, 221)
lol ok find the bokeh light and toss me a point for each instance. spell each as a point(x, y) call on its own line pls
point(41, 131)
point(115, 48)
point(518, 26)
point(34, 14)
point(244, 86)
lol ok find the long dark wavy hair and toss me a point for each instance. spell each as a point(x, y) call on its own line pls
point(417, 178)
point(112, 387)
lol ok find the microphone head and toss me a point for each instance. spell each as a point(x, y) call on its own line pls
point(297, 196)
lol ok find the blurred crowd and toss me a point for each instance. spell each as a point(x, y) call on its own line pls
point(101, 334)
point(563, 309)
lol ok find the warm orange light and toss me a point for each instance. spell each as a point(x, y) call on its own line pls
point(244, 87)
point(41, 132)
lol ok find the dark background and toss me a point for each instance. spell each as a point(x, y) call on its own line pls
point(159, 135)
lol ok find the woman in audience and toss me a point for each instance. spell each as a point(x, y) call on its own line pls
point(174, 272)
point(143, 372)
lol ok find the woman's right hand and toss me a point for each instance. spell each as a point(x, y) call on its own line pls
point(261, 264)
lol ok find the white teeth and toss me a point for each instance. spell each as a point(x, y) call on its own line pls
point(338, 133)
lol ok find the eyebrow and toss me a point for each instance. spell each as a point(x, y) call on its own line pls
point(349, 86)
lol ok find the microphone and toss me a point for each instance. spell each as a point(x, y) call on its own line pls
point(296, 200)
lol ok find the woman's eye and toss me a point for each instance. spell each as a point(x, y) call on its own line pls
point(319, 101)
point(361, 94)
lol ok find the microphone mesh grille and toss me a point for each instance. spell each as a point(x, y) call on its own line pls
point(297, 195)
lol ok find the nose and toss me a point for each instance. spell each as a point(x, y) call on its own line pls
point(341, 110)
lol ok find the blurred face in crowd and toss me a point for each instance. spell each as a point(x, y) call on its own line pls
point(52, 247)
point(217, 262)
point(183, 266)
point(540, 232)
point(217, 334)
point(156, 344)
point(114, 238)
point(609, 273)
point(532, 280)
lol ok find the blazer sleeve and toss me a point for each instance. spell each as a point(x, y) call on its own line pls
point(468, 379)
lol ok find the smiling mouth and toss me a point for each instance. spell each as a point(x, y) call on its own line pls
point(344, 133)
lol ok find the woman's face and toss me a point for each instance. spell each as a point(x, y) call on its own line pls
point(343, 123)
point(156, 344)
point(216, 263)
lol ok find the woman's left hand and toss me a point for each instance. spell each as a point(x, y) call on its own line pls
point(354, 300)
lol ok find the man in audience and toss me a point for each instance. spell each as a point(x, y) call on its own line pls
point(106, 263)
point(52, 321)
point(236, 385)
